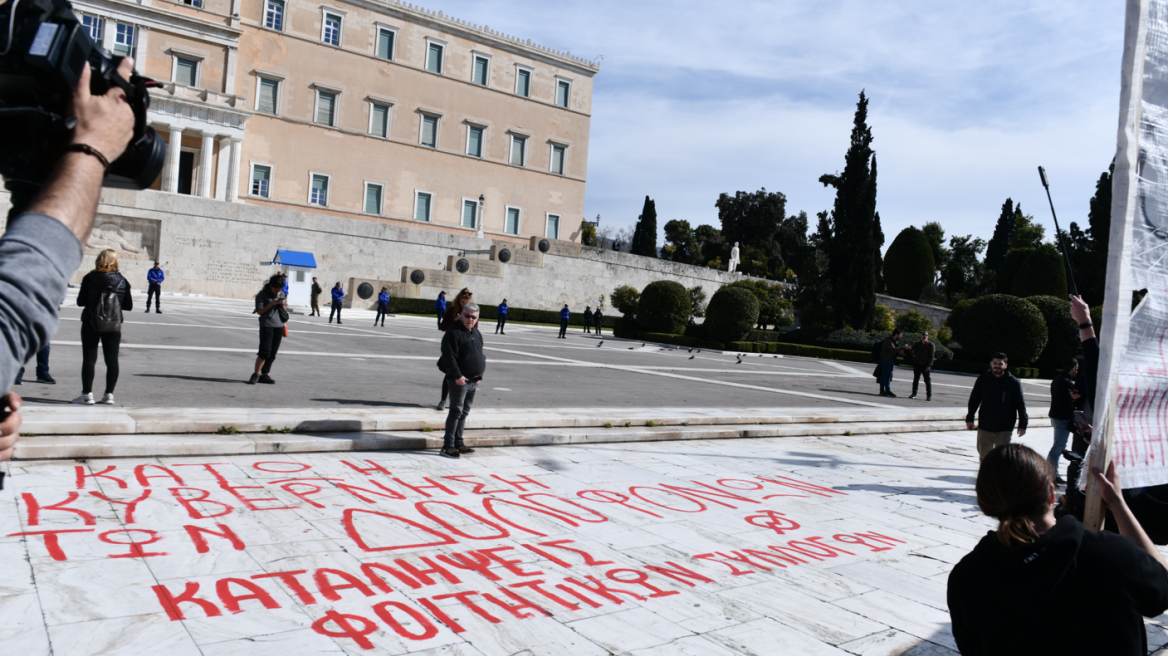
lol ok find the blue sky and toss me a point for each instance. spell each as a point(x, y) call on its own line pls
point(698, 98)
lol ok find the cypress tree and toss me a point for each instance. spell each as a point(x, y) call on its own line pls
point(1003, 233)
point(853, 250)
point(1094, 282)
point(645, 234)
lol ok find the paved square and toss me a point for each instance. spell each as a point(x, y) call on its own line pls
point(808, 545)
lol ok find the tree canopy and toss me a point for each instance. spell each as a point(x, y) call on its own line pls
point(645, 234)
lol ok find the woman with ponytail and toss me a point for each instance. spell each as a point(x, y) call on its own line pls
point(1012, 594)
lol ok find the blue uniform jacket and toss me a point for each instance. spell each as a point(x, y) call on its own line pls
point(155, 276)
point(564, 314)
point(338, 294)
point(383, 297)
point(441, 305)
point(503, 310)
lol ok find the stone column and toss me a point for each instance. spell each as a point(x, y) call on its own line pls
point(233, 170)
point(205, 165)
point(170, 167)
point(221, 167)
point(142, 37)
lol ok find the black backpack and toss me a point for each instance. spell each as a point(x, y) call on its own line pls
point(106, 314)
point(877, 348)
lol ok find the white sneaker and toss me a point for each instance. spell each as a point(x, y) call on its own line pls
point(84, 399)
point(108, 399)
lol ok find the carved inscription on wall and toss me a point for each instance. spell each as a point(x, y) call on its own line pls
point(233, 273)
point(131, 238)
point(524, 257)
point(477, 267)
point(435, 277)
point(195, 242)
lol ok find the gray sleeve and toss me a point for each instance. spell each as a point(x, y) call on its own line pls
point(37, 256)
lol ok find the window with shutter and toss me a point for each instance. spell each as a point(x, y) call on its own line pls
point(326, 104)
point(481, 66)
point(523, 83)
point(430, 131)
point(558, 160)
point(469, 208)
point(434, 58)
point(379, 121)
point(422, 206)
point(563, 92)
point(260, 178)
point(267, 96)
point(518, 146)
point(373, 198)
point(553, 226)
point(512, 227)
point(474, 141)
point(186, 71)
point(385, 44)
point(318, 195)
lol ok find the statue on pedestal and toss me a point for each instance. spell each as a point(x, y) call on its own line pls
point(734, 258)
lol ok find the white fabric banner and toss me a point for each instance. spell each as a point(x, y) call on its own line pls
point(1134, 354)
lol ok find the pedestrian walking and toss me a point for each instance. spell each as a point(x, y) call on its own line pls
point(999, 395)
point(463, 363)
point(564, 316)
point(924, 353)
point(501, 320)
point(616, 245)
point(588, 318)
point(598, 320)
point(154, 278)
point(382, 306)
point(105, 295)
point(42, 369)
point(338, 295)
point(463, 297)
point(1064, 400)
point(316, 292)
point(440, 306)
point(888, 351)
point(273, 312)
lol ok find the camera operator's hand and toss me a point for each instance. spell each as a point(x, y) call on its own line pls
point(105, 122)
point(1079, 309)
point(10, 427)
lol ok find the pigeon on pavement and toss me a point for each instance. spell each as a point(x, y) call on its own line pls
point(600, 344)
point(692, 357)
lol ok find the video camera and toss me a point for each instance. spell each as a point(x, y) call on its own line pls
point(43, 47)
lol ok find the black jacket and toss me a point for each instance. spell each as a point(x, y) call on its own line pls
point(462, 353)
point(94, 284)
point(1071, 592)
point(1062, 406)
point(1000, 400)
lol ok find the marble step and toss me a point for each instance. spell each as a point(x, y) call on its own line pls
point(115, 420)
point(199, 444)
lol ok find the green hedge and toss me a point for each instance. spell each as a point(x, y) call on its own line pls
point(664, 307)
point(489, 312)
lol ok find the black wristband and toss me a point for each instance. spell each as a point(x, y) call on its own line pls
point(88, 150)
point(1084, 326)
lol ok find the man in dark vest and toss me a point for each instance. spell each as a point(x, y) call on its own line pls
point(924, 353)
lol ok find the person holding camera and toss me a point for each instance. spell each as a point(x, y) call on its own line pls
point(273, 310)
point(1010, 594)
point(463, 363)
point(104, 294)
point(41, 247)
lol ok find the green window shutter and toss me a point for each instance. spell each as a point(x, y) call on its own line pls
point(480, 70)
point(268, 89)
point(326, 104)
point(373, 199)
point(474, 145)
point(434, 58)
point(385, 44)
point(319, 193)
point(557, 160)
point(186, 71)
point(553, 226)
point(430, 131)
point(422, 207)
point(512, 227)
point(469, 207)
point(562, 91)
point(260, 180)
point(518, 144)
point(380, 121)
point(523, 86)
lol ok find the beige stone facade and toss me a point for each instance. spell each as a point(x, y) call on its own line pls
point(373, 110)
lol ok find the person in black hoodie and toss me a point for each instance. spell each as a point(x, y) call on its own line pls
point(1064, 397)
point(463, 363)
point(1011, 594)
point(104, 279)
point(999, 395)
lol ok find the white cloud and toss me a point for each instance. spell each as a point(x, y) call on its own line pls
point(698, 98)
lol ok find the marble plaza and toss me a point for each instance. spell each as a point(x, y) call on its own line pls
point(797, 545)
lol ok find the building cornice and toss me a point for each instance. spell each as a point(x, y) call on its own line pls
point(156, 18)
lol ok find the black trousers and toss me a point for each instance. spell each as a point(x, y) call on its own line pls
point(110, 343)
point(439, 321)
point(500, 323)
point(154, 292)
point(382, 310)
point(588, 325)
point(445, 389)
point(336, 309)
point(918, 371)
point(270, 339)
point(563, 327)
point(461, 399)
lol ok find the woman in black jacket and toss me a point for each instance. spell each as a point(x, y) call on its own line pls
point(97, 326)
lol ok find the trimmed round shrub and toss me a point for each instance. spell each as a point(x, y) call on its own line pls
point(908, 264)
point(732, 312)
point(664, 307)
point(914, 323)
point(1000, 322)
point(772, 305)
point(625, 299)
point(1062, 331)
point(1008, 272)
point(1042, 274)
point(957, 314)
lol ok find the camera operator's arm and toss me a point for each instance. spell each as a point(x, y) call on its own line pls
point(104, 123)
point(1082, 314)
point(1113, 497)
point(10, 427)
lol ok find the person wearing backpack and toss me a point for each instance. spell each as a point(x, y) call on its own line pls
point(104, 294)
